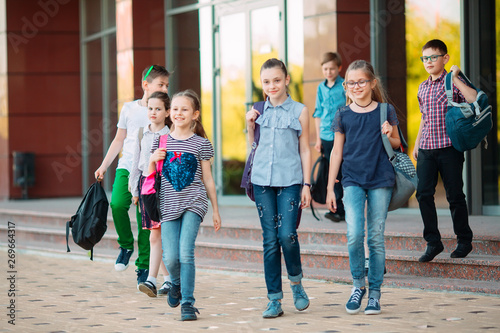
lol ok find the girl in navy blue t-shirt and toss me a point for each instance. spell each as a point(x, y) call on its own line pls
point(367, 177)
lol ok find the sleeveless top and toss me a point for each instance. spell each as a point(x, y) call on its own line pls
point(277, 160)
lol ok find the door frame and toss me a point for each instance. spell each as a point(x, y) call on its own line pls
point(220, 10)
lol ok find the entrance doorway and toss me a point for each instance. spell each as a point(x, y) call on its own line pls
point(247, 34)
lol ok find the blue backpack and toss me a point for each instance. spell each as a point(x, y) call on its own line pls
point(467, 124)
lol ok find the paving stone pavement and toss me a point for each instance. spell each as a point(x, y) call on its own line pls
point(64, 293)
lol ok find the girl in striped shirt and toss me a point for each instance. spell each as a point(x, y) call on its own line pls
point(186, 180)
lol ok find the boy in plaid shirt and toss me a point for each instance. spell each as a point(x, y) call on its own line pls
point(435, 154)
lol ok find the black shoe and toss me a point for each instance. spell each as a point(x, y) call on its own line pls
point(148, 288)
point(188, 312)
point(165, 288)
point(431, 252)
point(142, 275)
point(335, 217)
point(461, 251)
point(174, 296)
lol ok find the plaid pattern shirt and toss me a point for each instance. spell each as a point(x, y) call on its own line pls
point(434, 105)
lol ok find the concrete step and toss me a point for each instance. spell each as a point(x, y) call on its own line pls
point(410, 241)
point(315, 256)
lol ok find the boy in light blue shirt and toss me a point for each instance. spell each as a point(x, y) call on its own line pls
point(330, 97)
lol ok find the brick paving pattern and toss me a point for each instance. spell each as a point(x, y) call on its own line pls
point(61, 293)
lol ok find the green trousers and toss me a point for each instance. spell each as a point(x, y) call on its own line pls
point(121, 199)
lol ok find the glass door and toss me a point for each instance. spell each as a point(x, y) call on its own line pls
point(247, 34)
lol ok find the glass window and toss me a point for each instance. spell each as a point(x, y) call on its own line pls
point(99, 88)
point(206, 59)
point(491, 157)
point(181, 3)
point(295, 51)
point(93, 17)
point(426, 21)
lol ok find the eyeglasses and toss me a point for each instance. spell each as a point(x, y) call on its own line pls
point(361, 84)
point(433, 57)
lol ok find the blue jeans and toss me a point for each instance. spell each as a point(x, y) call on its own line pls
point(278, 208)
point(177, 242)
point(377, 201)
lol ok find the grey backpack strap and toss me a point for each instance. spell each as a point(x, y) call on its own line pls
point(140, 134)
point(385, 139)
point(448, 87)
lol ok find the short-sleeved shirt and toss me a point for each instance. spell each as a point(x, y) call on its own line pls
point(328, 101)
point(142, 152)
point(277, 160)
point(132, 117)
point(434, 105)
point(182, 188)
point(365, 161)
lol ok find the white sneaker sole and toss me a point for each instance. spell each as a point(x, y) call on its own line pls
point(349, 311)
point(120, 267)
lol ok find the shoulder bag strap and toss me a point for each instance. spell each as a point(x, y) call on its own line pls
point(259, 106)
point(162, 144)
point(140, 134)
point(385, 139)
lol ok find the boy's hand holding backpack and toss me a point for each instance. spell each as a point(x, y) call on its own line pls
point(467, 124)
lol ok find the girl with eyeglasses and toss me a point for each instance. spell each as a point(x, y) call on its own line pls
point(367, 177)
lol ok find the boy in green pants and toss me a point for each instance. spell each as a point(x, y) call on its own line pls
point(132, 116)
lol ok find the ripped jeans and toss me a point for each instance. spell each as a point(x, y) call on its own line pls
point(278, 208)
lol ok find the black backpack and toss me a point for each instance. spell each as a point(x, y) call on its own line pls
point(89, 223)
point(319, 180)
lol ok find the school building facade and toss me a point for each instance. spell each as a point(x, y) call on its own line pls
point(67, 66)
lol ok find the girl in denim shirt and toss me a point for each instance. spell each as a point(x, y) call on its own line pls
point(281, 168)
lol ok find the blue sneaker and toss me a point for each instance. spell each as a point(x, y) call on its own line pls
point(188, 312)
point(373, 306)
point(300, 298)
point(142, 276)
point(353, 305)
point(273, 310)
point(174, 296)
point(121, 263)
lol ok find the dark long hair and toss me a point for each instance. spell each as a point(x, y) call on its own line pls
point(166, 102)
point(195, 101)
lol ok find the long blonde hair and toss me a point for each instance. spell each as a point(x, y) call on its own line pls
point(378, 92)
